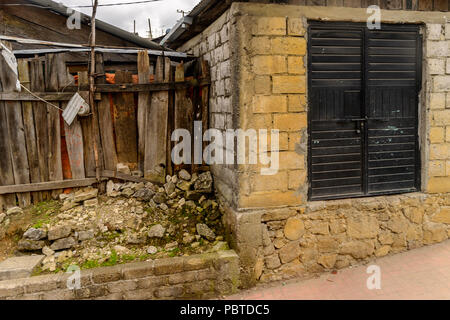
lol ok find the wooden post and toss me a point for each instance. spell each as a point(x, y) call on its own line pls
point(92, 93)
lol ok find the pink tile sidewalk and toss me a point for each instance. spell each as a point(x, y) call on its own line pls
point(422, 273)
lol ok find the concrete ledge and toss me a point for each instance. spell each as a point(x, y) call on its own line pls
point(199, 276)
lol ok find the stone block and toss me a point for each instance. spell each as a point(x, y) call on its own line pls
point(297, 84)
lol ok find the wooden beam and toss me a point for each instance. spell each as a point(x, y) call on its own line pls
point(48, 96)
point(129, 87)
point(121, 176)
point(45, 186)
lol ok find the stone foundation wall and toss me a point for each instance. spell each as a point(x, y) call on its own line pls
point(202, 276)
point(327, 235)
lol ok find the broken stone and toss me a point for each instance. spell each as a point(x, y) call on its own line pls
point(123, 168)
point(128, 192)
point(220, 246)
point(169, 187)
point(14, 210)
point(68, 204)
point(184, 185)
point(195, 245)
point(2, 217)
point(86, 235)
point(109, 188)
point(204, 231)
point(273, 261)
point(47, 251)
point(290, 252)
point(144, 194)
point(121, 250)
point(35, 234)
point(357, 249)
point(30, 245)
point(160, 198)
point(86, 195)
point(63, 196)
point(19, 267)
point(59, 232)
point(91, 203)
point(49, 264)
point(135, 239)
point(328, 261)
point(188, 238)
point(193, 195)
point(204, 183)
point(156, 231)
point(152, 250)
point(171, 246)
point(294, 229)
point(184, 175)
point(163, 207)
point(62, 244)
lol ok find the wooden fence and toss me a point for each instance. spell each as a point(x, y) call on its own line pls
point(40, 155)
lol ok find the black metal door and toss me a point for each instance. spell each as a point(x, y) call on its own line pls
point(363, 89)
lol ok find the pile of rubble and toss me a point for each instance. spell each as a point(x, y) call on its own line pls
point(133, 221)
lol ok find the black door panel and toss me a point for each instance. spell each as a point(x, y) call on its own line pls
point(363, 109)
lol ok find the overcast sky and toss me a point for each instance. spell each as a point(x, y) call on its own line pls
point(163, 14)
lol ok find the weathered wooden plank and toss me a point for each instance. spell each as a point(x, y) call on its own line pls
point(144, 104)
point(86, 126)
point(426, 5)
point(170, 124)
point(152, 87)
point(6, 169)
point(105, 121)
point(156, 140)
point(184, 108)
point(54, 123)
point(15, 127)
point(441, 5)
point(121, 176)
point(367, 3)
point(125, 124)
point(47, 96)
point(40, 122)
point(352, 3)
point(29, 129)
point(75, 150)
point(45, 186)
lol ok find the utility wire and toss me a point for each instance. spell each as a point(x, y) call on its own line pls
point(73, 6)
point(116, 4)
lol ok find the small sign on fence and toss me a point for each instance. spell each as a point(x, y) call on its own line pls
point(76, 105)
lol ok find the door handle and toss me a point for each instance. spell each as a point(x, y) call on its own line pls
point(359, 124)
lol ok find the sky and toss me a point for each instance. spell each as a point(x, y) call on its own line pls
point(163, 14)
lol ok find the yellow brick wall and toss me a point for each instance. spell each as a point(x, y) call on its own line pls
point(438, 83)
point(274, 78)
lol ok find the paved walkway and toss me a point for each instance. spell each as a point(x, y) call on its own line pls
point(422, 273)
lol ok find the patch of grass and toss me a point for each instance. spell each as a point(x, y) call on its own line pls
point(90, 264)
point(45, 208)
point(112, 260)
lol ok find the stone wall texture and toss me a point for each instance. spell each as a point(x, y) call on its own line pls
point(215, 45)
point(195, 277)
point(273, 227)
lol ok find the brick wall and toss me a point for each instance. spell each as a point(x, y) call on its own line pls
point(275, 49)
point(438, 76)
point(275, 230)
point(201, 276)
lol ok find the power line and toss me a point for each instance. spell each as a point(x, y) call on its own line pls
point(72, 6)
point(117, 4)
